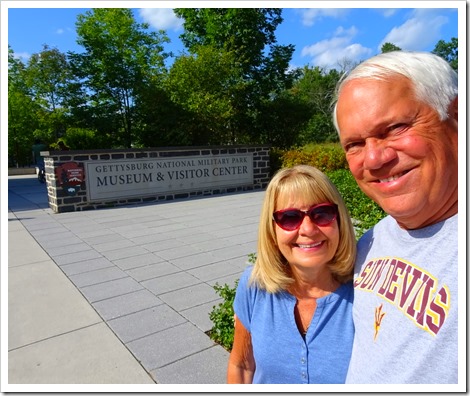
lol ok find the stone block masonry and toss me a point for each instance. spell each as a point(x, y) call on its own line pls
point(94, 179)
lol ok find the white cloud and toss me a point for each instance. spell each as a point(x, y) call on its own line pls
point(61, 31)
point(311, 15)
point(327, 53)
point(23, 56)
point(421, 30)
point(387, 12)
point(161, 18)
point(351, 32)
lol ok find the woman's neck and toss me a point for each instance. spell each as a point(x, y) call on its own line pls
point(312, 285)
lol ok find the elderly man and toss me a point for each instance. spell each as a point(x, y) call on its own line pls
point(396, 115)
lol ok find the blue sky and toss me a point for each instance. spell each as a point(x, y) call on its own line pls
point(322, 36)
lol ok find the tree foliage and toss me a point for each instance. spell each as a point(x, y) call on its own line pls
point(389, 47)
point(449, 51)
point(232, 85)
point(206, 87)
point(21, 113)
point(120, 58)
point(47, 76)
point(258, 69)
point(315, 87)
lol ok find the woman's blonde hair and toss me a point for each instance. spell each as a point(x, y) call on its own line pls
point(271, 270)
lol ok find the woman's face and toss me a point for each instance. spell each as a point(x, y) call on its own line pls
point(310, 246)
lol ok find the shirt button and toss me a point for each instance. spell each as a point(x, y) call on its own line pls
point(304, 375)
point(302, 360)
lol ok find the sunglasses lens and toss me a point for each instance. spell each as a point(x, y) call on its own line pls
point(323, 215)
point(289, 220)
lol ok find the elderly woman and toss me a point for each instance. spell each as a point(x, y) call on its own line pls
point(293, 321)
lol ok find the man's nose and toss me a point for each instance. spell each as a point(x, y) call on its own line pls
point(378, 153)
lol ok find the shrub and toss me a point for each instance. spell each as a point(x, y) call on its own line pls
point(326, 157)
point(83, 139)
point(363, 210)
point(222, 316)
point(275, 160)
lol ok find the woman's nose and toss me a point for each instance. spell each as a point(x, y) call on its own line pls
point(307, 227)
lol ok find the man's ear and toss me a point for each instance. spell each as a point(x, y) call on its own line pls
point(453, 110)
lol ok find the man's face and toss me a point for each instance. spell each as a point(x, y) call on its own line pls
point(400, 153)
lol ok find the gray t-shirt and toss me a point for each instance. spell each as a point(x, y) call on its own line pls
point(405, 305)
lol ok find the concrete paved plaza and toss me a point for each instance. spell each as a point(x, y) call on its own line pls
point(121, 295)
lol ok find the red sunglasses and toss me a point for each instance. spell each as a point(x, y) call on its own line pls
point(321, 215)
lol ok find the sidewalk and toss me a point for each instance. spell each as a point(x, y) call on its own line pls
point(121, 295)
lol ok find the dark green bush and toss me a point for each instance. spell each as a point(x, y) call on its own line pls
point(222, 316)
point(83, 139)
point(275, 160)
point(326, 157)
point(363, 210)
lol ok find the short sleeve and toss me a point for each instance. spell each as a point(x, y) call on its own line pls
point(244, 299)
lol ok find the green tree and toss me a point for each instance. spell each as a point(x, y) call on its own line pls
point(47, 76)
point(22, 110)
point(161, 121)
point(260, 65)
point(315, 88)
point(207, 86)
point(284, 118)
point(389, 47)
point(120, 58)
point(449, 51)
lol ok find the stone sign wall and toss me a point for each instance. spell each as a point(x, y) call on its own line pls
point(82, 180)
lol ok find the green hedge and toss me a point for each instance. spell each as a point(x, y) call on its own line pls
point(364, 212)
point(326, 157)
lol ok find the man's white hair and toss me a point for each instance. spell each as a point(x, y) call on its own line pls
point(434, 81)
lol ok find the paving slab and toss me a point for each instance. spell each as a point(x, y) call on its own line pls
point(153, 271)
point(189, 297)
point(90, 355)
point(23, 249)
point(200, 368)
point(143, 323)
point(196, 260)
point(165, 347)
point(98, 276)
point(217, 270)
point(86, 266)
point(126, 304)
point(110, 289)
point(42, 304)
point(68, 249)
point(168, 283)
point(199, 315)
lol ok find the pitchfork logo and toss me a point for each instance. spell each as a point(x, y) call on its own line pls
point(379, 315)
